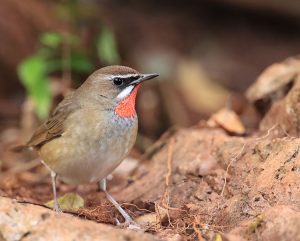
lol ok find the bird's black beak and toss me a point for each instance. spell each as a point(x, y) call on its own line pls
point(143, 78)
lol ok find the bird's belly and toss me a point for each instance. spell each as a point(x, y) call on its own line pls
point(90, 166)
point(78, 158)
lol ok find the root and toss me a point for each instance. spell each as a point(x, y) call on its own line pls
point(234, 159)
point(166, 198)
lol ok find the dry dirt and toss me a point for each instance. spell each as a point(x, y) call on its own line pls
point(198, 183)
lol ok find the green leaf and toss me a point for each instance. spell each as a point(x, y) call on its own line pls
point(68, 201)
point(51, 39)
point(107, 47)
point(33, 75)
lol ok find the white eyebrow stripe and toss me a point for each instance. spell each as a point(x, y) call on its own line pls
point(111, 77)
point(125, 92)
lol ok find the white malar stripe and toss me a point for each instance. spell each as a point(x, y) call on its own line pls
point(124, 93)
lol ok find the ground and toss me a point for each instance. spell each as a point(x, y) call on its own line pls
point(200, 183)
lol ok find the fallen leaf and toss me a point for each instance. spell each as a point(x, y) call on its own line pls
point(218, 237)
point(228, 120)
point(200, 92)
point(68, 201)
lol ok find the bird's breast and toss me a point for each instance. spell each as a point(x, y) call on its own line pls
point(91, 149)
point(118, 137)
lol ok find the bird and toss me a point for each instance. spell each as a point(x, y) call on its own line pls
point(91, 130)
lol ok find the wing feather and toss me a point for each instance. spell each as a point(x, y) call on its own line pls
point(54, 126)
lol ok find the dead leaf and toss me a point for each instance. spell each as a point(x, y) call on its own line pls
point(218, 237)
point(200, 92)
point(68, 201)
point(228, 120)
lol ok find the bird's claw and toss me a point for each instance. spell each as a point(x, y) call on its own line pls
point(129, 224)
point(57, 209)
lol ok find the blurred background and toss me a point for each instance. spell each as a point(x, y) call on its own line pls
point(206, 52)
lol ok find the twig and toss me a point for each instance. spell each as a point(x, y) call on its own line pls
point(271, 129)
point(165, 199)
point(228, 166)
point(137, 208)
point(268, 133)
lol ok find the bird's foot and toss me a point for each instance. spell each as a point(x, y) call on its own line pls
point(57, 209)
point(129, 224)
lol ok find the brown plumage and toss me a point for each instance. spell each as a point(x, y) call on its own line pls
point(116, 70)
point(92, 130)
point(54, 126)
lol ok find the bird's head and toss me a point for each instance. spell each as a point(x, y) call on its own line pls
point(115, 87)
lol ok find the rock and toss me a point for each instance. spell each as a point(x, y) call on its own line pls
point(281, 223)
point(261, 173)
point(276, 94)
point(29, 222)
point(277, 223)
point(149, 219)
point(272, 83)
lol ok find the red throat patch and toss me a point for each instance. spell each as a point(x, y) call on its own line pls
point(126, 107)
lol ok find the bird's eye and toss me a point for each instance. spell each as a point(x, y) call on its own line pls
point(118, 81)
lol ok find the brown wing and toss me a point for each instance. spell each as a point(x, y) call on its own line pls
point(54, 126)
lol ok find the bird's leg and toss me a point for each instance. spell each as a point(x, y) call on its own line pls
point(56, 204)
point(128, 220)
point(53, 180)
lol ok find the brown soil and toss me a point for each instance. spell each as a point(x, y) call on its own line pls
point(199, 183)
point(184, 185)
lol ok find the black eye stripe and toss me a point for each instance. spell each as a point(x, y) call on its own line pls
point(128, 79)
point(133, 78)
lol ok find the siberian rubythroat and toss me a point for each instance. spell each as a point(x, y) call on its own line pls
point(92, 130)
